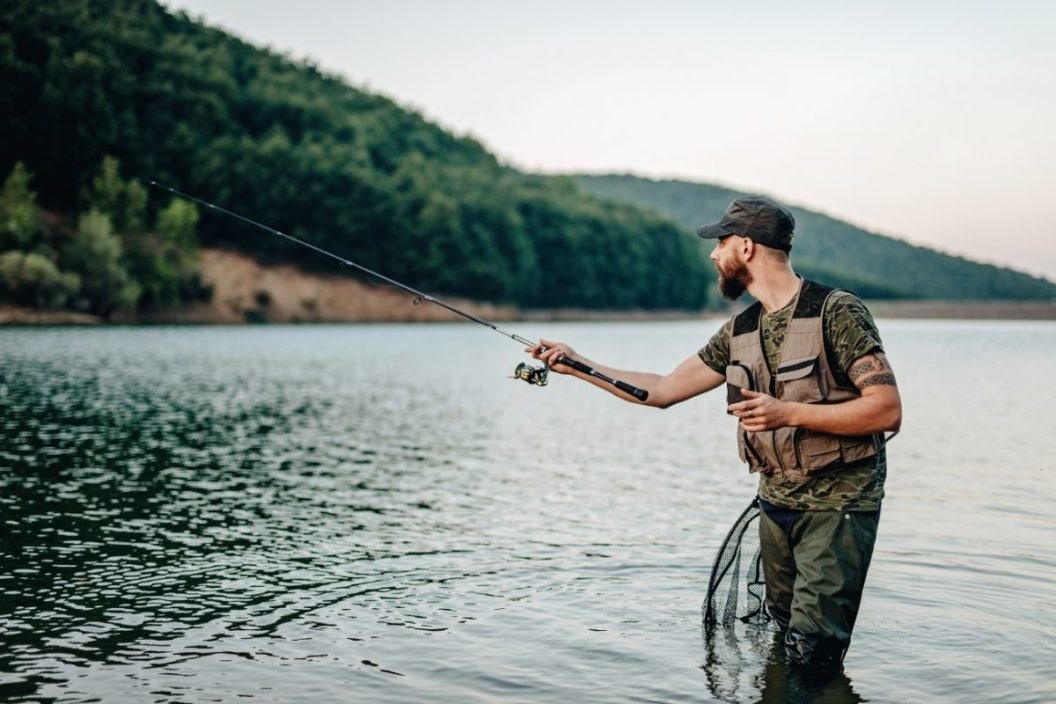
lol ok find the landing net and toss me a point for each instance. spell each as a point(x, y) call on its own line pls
point(737, 587)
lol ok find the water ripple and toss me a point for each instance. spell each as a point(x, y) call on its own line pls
point(305, 513)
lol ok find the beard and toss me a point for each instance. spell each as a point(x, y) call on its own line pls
point(733, 280)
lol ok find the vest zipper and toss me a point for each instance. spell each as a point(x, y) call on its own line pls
point(795, 446)
point(747, 372)
point(755, 453)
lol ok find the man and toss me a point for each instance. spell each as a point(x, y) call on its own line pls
point(813, 393)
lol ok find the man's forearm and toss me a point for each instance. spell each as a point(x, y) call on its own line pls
point(688, 379)
point(860, 416)
point(643, 380)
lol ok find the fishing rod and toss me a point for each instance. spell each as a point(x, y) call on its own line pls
point(539, 376)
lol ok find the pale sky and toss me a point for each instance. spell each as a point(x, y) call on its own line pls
point(934, 122)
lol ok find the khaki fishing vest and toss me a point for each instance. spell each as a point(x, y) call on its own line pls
point(804, 375)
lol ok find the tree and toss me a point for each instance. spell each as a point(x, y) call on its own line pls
point(31, 279)
point(135, 214)
point(18, 210)
point(176, 224)
point(95, 254)
point(124, 202)
point(164, 262)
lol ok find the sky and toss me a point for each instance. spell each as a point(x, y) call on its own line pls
point(934, 122)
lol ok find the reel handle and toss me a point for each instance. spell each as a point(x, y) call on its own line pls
point(640, 394)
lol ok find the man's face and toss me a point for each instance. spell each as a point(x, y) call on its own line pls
point(734, 277)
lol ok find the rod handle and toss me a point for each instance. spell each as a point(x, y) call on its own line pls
point(640, 394)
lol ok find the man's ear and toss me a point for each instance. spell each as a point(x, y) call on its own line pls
point(748, 249)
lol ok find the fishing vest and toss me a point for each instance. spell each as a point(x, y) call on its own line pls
point(806, 373)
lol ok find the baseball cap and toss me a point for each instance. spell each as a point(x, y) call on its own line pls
point(760, 219)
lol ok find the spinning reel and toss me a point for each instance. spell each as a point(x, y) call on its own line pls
point(539, 376)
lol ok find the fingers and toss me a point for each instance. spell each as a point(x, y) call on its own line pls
point(756, 422)
point(759, 413)
point(753, 409)
point(741, 408)
point(552, 354)
point(549, 352)
point(539, 348)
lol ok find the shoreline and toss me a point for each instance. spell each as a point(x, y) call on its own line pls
point(247, 292)
point(14, 316)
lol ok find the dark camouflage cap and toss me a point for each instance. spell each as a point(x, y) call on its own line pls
point(760, 219)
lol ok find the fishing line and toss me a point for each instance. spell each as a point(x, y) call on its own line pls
point(538, 376)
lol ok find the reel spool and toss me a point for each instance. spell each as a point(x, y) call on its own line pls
point(539, 376)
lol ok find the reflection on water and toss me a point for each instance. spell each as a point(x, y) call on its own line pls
point(375, 513)
point(747, 664)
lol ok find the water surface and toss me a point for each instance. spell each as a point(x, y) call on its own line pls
point(374, 513)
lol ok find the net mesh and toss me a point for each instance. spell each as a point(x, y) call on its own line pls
point(737, 587)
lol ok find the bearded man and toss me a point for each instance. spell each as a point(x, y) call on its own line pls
point(810, 385)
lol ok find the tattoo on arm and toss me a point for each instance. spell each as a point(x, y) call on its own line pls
point(872, 370)
point(859, 369)
point(878, 380)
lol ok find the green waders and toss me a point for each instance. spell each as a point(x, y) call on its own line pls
point(815, 564)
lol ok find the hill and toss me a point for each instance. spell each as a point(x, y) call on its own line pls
point(873, 265)
point(87, 85)
point(305, 152)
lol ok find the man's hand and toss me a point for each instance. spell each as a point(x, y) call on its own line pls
point(549, 352)
point(761, 412)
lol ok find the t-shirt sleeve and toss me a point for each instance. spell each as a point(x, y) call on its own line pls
point(716, 354)
point(850, 329)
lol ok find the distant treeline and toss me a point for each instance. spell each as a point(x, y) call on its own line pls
point(303, 151)
point(834, 251)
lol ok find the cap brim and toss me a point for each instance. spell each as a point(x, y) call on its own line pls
point(713, 231)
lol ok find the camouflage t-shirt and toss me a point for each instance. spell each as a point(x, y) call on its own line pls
point(850, 332)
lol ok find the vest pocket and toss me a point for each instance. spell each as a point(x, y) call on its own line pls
point(858, 448)
point(797, 380)
point(750, 453)
point(738, 376)
point(816, 451)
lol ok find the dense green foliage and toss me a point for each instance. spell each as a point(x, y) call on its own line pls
point(32, 279)
point(94, 254)
point(345, 169)
point(18, 210)
point(834, 251)
point(101, 270)
point(310, 155)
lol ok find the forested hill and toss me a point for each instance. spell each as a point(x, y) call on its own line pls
point(834, 251)
point(291, 146)
point(93, 92)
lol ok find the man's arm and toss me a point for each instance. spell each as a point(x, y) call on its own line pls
point(690, 378)
point(878, 409)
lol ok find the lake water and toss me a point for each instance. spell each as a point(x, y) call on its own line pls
point(375, 514)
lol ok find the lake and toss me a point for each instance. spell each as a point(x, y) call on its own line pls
point(359, 513)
